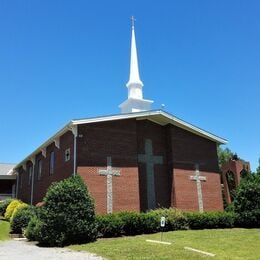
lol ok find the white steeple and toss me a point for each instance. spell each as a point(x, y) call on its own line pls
point(135, 101)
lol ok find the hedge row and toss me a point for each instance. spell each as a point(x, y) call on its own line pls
point(133, 223)
point(248, 219)
point(210, 220)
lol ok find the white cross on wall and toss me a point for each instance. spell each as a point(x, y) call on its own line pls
point(198, 180)
point(109, 172)
point(150, 160)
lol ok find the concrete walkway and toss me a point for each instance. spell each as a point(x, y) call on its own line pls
point(23, 250)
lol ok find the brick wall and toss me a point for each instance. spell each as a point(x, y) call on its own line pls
point(186, 197)
point(123, 141)
point(234, 167)
point(116, 139)
point(156, 133)
point(62, 170)
point(188, 149)
point(185, 150)
point(24, 189)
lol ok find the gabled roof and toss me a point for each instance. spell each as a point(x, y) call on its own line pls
point(6, 171)
point(6, 168)
point(158, 116)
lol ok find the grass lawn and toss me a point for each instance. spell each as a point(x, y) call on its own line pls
point(225, 243)
point(4, 230)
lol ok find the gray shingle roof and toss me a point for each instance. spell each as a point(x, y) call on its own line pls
point(5, 168)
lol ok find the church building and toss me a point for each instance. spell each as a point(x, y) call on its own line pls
point(137, 160)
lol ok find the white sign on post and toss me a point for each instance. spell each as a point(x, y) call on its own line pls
point(162, 221)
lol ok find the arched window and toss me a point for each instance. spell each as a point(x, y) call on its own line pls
point(244, 173)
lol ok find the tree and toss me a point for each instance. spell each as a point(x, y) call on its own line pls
point(258, 168)
point(247, 201)
point(247, 196)
point(224, 155)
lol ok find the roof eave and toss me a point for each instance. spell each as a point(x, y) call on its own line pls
point(45, 144)
point(139, 116)
point(146, 114)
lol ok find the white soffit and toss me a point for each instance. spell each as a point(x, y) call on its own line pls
point(157, 116)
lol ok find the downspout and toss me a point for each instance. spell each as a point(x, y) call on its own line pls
point(74, 130)
point(32, 186)
point(17, 184)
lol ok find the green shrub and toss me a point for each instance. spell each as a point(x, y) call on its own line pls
point(174, 219)
point(134, 223)
point(150, 222)
point(209, 220)
point(19, 206)
point(3, 206)
point(247, 196)
point(67, 215)
point(127, 223)
point(10, 209)
point(110, 225)
point(248, 219)
point(32, 231)
point(21, 218)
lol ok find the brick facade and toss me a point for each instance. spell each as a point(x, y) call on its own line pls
point(235, 168)
point(185, 191)
point(124, 141)
point(116, 139)
point(62, 170)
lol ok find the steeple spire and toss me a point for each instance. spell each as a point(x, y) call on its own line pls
point(133, 21)
point(134, 84)
point(135, 101)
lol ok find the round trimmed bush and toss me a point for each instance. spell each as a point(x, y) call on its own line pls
point(21, 218)
point(33, 229)
point(19, 206)
point(67, 215)
point(10, 209)
point(3, 206)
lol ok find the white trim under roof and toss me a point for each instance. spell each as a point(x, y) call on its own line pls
point(7, 177)
point(158, 116)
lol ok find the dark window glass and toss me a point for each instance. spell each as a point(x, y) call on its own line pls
point(67, 155)
point(21, 180)
point(52, 162)
point(30, 175)
point(39, 169)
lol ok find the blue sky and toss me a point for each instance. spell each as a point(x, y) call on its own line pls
point(61, 60)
